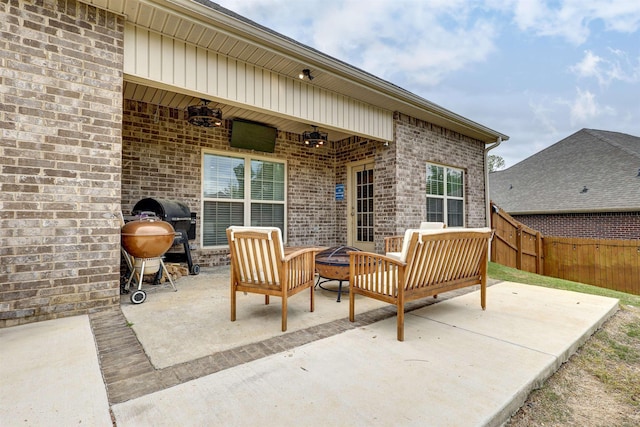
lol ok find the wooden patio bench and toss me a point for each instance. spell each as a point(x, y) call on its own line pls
point(394, 243)
point(431, 262)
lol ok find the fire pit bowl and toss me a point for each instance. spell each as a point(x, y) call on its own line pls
point(147, 237)
point(333, 263)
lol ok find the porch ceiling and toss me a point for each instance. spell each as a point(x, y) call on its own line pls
point(207, 25)
point(151, 95)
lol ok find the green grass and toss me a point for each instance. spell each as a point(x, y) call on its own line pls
point(633, 330)
point(500, 272)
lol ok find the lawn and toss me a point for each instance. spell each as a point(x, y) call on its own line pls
point(500, 272)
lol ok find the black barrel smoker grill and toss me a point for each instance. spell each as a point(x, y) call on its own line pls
point(181, 218)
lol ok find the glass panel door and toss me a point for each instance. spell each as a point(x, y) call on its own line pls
point(361, 222)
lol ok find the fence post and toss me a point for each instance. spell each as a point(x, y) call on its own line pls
point(539, 255)
point(519, 247)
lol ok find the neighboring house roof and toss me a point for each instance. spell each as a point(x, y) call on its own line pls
point(589, 171)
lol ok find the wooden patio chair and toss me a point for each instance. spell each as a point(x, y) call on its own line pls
point(259, 265)
point(432, 262)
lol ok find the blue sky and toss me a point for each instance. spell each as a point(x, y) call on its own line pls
point(537, 71)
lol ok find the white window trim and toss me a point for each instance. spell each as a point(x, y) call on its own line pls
point(248, 157)
point(446, 197)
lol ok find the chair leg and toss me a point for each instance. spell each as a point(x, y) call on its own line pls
point(400, 322)
point(266, 300)
point(312, 298)
point(284, 313)
point(233, 304)
point(483, 294)
point(352, 306)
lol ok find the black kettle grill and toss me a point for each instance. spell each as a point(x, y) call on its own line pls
point(180, 217)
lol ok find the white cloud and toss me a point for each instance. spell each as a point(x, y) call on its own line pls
point(544, 114)
point(588, 67)
point(422, 41)
point(584, 109)
point(619, 67)
point(571, 19)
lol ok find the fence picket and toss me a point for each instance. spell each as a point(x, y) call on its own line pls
point(611, 264)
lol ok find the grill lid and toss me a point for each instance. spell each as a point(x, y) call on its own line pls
point(165, 209)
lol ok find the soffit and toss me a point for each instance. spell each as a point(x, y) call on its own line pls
point(209, 26)
point(169, 98)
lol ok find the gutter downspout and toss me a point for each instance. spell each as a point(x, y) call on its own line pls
point(486, 180)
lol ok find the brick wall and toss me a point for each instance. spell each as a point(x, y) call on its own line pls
point(162, 156)
point(60, 154)
point(614, 225)
point(357, 149)
point(418, 143)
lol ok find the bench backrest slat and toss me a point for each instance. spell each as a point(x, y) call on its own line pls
point(443, 256)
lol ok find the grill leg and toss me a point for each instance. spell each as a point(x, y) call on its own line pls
point(144, 261)
point(133, 273)
point(168, 275)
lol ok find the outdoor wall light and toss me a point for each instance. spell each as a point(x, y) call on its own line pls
point(314, 138)
point(306, 73)
point(203, 115)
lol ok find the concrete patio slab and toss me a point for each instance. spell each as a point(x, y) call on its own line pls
point(50, 375)
point(552, 321)
point(458, 366)
point(176, 327)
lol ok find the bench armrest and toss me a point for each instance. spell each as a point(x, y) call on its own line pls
point(375, 273)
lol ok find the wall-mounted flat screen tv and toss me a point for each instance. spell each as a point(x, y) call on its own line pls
point(253, 136)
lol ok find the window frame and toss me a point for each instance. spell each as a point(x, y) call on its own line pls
point(445, 197)
point(247, 201)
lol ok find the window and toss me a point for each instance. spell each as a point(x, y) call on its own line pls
point(241, 190)
point(445, 195)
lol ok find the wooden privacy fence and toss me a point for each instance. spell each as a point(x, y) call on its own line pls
point(611, 264)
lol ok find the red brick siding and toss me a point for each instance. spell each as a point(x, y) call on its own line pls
point(60, 116)
point(615, 225)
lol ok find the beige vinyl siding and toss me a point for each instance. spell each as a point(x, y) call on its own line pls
point(173, 63)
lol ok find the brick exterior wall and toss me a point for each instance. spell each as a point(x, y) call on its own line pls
point(419, 143)
point(162, 157)
point(613, 225)
point(357, 149)
point(60, 154)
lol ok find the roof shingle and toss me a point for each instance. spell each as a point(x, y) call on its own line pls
point(589, 171)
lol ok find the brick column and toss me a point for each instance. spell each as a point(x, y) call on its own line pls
point(60, 156)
